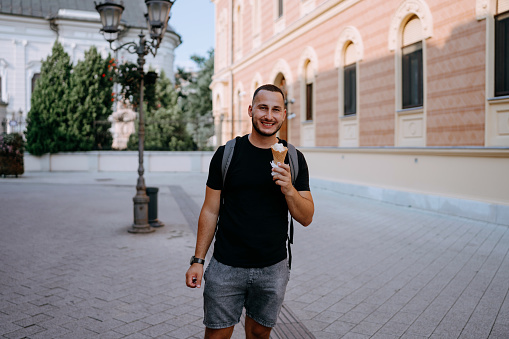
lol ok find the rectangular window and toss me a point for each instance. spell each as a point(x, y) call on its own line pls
point(412, 81)
point(350, 93)
point(309, 101)
point(502, 54)
point(280, 8)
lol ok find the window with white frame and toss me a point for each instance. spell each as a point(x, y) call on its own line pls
point(350, 81)
point(412, 65)
point(237, 31)
point(279, 8)
point(309, 91)
point(502, 49)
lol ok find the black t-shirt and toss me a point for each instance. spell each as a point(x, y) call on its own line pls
point(253, 222)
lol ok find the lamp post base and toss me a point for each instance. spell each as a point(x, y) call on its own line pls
point(141, 224)
point(141, 229)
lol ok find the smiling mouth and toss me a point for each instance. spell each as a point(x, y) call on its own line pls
point(268, 124)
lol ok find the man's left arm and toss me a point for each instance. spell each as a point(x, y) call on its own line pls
point(300, 203)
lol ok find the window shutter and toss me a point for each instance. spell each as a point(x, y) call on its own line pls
point(502, 6)
point(413, 31)
point(350, 56)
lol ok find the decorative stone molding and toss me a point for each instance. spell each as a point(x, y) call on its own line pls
point(222, 40)
point(482, 9)
point(405, 10)
point(308, 54)
point(241, 105)
point(4, 95)
point(281, 66)
point(257, 81)
point(306, 6)
point(352, 34)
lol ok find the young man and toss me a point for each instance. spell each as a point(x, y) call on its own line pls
point(249, 265)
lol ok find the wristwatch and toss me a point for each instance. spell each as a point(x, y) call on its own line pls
point(195, 260)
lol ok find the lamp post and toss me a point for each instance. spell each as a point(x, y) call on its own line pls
point(157, 22)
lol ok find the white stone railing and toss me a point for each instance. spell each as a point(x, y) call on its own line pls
point(118, 161)
point(469, 182)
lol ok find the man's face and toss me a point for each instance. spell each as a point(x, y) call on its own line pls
point(267, 112)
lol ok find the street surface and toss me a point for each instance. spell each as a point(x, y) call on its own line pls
point(362, 269)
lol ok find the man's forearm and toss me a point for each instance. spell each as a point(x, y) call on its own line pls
point(206, 230)
point(301, 206)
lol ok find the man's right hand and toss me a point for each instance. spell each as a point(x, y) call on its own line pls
point(194, 275)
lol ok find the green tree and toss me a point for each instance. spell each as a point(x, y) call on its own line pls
point(91, 102)
point(165, 124)
point(48, 118)
point(197, 100)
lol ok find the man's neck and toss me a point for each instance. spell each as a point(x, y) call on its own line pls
point(262, 141)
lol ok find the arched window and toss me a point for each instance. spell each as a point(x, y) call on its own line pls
point(309, 78)
point(502, 48)
point(256, 23)
point(237, 32)
point(350, 80)
point(412, 64)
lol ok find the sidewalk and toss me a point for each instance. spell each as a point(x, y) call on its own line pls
point(362, 269)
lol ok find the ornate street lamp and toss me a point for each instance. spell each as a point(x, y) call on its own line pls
point(157, 22)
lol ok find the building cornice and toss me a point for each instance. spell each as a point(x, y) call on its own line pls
point(481, 152)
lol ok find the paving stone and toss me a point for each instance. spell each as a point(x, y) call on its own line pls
point(366, 328)
point(499, 331)
point(132, 327)
point(54, 332)
point(399, 272)
point(384, 336)
point(24, 332)
point(328, 316)
point(185, 331)
point(354, 317)
point(353, 335)
point(158, 318)
point(158, 330)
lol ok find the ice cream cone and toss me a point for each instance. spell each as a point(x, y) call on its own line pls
point(279, 156)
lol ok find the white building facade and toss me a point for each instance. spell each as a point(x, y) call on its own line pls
point(27, 35)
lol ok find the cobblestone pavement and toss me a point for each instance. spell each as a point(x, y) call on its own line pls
point(362, 269)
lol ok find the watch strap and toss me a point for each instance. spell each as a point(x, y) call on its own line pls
point(195, 260)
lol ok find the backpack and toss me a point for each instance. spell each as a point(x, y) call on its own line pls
point(294, 169)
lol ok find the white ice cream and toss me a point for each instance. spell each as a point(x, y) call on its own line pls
point(278, 147)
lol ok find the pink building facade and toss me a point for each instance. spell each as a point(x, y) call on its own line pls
point(414, 78)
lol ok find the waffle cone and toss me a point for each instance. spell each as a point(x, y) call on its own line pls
point(279, 156)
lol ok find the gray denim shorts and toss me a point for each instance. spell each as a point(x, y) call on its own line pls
point(229, 289)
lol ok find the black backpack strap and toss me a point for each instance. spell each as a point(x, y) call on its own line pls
point(294, 167)
point(227, 157)
point(294, 162)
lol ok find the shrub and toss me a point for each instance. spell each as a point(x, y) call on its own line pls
point(11, 154)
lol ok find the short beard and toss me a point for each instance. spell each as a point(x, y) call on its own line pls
point(263, 133)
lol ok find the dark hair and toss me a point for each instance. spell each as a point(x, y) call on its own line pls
point(270, 88)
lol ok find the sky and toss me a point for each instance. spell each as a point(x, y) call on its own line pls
point(193, 20)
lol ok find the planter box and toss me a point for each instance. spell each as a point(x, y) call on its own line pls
point(11, 155)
